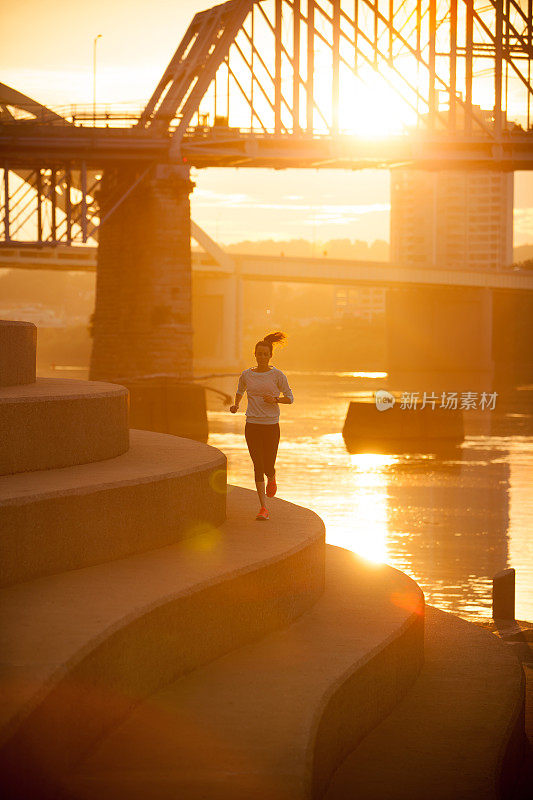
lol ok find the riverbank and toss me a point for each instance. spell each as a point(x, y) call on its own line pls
point(518, 636)
point(457, 734)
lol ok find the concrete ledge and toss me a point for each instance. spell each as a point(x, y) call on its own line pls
point(18, 344)
point(151, 496)
point(81, 649)
point(56, 423)
point(272, 720)
point(396, 430)
point(455, 735)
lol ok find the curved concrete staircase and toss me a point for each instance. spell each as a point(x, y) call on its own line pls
point(156, 641)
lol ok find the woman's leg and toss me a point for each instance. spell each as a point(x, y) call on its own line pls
point(254, 440)
point(270, 448)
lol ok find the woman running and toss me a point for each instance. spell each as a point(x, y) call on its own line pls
point(263, 385)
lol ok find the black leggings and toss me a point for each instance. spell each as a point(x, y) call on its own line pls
point(262, 441)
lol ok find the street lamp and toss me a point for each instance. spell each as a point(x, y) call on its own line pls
point(94, 77)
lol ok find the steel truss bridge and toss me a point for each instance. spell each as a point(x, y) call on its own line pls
point(286, 83)
point(286, 269)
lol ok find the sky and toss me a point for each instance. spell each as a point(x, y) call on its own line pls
point(46, 52)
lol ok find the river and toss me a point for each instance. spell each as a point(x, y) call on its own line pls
point(450, 522)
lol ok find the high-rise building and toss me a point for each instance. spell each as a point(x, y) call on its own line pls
point(452, 219)
point(365, 302)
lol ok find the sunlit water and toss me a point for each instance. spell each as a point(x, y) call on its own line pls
point(449, 522)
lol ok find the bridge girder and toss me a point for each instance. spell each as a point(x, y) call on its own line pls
point(290, 65)
point(268, 83)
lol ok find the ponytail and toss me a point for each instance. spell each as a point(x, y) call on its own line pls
point(271, 339)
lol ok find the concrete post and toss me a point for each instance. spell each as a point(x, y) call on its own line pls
point(142, 320)
point(503, 595)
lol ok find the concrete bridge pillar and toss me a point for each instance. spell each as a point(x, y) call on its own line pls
point(439, 339)
point(233, 326)
point(142, 319)
point(513, 337)
point(218, 323)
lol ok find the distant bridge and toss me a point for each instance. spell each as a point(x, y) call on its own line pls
point(285, 269)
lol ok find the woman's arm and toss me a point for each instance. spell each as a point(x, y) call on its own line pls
point(235, 407)
point(241, 388)
point(269, 398)
point(284, 387)
point(286, 390)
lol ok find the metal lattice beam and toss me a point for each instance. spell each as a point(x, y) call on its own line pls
point(286, 66)
point(291, 83)
point(200, 53)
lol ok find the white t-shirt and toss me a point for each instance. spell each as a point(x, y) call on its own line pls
point(256, 384)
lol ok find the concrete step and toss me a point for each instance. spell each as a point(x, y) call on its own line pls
point(155, 494)
point(81, 649)
point(457, 734)
point(271, 720)
point(18, 344)
point(56, 423)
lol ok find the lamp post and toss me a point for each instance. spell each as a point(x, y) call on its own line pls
point(94, 77)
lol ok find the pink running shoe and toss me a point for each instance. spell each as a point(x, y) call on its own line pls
point(263, 515)
point(272, 487)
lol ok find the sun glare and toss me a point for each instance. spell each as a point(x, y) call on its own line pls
point(370, 106)
point(366, 530)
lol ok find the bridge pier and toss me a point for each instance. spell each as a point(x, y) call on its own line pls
point(439, 339)
point(142, 319)
point(218, 323)
point(513, 337)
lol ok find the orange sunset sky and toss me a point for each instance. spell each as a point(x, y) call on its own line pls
point(46, 51)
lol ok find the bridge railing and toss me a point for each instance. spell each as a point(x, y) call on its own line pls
point(126, 117)
point(83, 115)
